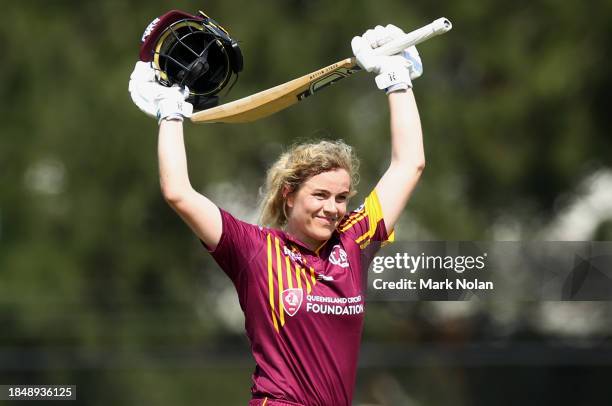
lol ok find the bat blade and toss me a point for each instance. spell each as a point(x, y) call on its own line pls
point(270, 101)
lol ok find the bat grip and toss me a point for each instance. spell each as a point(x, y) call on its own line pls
point(437, 27)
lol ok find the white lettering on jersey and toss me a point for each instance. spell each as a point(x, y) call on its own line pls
point(334, 309)
point(339, 306)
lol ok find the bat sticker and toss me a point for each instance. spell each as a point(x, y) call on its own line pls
point(325, 81)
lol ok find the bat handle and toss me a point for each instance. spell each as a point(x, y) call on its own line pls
point(439, 26)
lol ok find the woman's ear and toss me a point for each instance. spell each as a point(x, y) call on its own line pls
point(288, 196)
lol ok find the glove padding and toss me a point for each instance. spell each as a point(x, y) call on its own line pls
point(157, 100)
point(394, 72)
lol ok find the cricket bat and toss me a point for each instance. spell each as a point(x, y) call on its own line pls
point(275, 99)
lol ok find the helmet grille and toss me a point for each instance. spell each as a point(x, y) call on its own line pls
point(192, 57)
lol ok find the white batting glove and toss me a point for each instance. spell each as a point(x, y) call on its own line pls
point(393, 72)
point(155, 99)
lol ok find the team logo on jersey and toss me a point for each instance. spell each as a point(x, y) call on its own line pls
point(338, 257)
point(292, 300)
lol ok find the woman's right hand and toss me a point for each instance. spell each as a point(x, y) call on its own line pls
point(154, 99)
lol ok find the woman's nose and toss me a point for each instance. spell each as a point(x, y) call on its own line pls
point(330, 206)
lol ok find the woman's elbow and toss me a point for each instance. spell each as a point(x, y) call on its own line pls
point(415, 172)
point(420, 166)
point(173, 197)
point(410, 168)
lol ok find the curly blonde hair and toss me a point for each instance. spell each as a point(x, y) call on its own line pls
point(295, 166)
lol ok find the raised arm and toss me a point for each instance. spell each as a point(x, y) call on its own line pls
point(394, 75)
point(200, 214)
point(169, 106)
point(407, 157)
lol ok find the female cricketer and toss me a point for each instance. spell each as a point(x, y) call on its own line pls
point(301, 276)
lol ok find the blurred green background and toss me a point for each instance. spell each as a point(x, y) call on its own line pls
point(102, 286)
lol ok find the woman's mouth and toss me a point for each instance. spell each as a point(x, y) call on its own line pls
point(327, 220)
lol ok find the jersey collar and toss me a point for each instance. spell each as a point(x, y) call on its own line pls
point(304, 246)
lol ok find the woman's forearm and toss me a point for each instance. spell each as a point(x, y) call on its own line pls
point(407, 157)
point(173, 172)
point(406, 133)
point(202, 215)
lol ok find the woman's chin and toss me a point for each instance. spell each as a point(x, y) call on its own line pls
point(321, 234)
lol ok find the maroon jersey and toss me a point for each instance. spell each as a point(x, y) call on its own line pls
point(303, 310)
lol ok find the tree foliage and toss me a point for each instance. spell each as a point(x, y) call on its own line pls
point(98, 275)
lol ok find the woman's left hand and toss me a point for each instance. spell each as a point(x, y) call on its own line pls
point(394, 72)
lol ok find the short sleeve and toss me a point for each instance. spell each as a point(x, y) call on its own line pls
point(366, 224)
point(239, 243)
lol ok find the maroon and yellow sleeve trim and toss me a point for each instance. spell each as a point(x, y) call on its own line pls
point(373, 210)
point(353, 219)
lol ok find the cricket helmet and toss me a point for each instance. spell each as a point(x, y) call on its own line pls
point(193, 51)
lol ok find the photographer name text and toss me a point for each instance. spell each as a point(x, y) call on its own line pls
point(431, 284)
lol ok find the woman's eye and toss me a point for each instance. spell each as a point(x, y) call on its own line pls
point(341, 198)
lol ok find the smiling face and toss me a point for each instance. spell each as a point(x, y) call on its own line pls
point(317, 207)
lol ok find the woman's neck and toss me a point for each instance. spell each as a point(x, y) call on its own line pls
point(310, 243)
